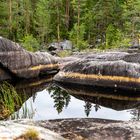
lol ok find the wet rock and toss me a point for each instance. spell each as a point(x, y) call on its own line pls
point(18, 62)
point(110, 69)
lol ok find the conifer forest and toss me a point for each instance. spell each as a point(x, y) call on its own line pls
point(101, 24)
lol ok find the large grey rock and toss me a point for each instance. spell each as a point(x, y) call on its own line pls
point(110, 69)
point(64, 45)
point(18, 62)
point(94, 129)
point(12, 130)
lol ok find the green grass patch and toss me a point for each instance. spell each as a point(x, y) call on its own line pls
point(9, 100)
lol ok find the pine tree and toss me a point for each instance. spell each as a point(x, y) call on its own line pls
point(43, 23)
point(4, 31)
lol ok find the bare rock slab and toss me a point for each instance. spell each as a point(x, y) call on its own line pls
point(119, 70)
point(94, 129)
point(17, 62)
point(10, 130)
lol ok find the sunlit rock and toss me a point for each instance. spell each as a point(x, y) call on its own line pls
point(18, 62)
point(10, 130)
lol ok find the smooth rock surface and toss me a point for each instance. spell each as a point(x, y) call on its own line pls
point(11, 130)
point(111, 69)
point(18, 62)
point(73, 129)
point(94, 129)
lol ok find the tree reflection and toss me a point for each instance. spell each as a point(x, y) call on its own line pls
point(9, 100)
point(60, 96)
point(135, 114)
point(88, 107)
point(97, 107)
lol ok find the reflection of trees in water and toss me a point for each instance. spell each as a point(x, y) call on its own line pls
point(26, 111)
point(88, 107)
point(9, 100)
point(60, 96)
point(97, 107)
point(135, 114)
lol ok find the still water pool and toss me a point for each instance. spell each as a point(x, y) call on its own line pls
point(56, 102)
point(44, 107)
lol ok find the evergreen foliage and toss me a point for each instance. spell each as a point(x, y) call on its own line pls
point(99, 23)
point(30, 43)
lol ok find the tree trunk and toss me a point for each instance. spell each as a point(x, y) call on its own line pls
point(10, 18)
point(58, 22)
point(27, 17)
point(67, 13)
point(78, 22)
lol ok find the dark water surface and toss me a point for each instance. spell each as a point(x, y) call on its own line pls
point(43, 100)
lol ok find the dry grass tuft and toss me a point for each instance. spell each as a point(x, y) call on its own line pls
point(30, 134)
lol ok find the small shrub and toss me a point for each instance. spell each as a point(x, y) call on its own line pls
point(30, 134)
point(30, 43)
point(64, 53)
point(76, 35)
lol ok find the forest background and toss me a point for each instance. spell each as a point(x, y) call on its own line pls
point(101, 24)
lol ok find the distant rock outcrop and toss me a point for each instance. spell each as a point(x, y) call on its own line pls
point(17, 62)
point(110, 69)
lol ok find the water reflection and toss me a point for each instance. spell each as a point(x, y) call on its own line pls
point(61, 97)
point(88, 107)
point(20, 98)
point(111, 98)
point(135, 114)
point(13, 96)
point(9, 100)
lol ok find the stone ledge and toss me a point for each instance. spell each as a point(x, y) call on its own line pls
point(73, 129)
point(11, 130)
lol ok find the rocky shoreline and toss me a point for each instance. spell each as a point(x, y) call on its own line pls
point(73, 129)
point(115, 70)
